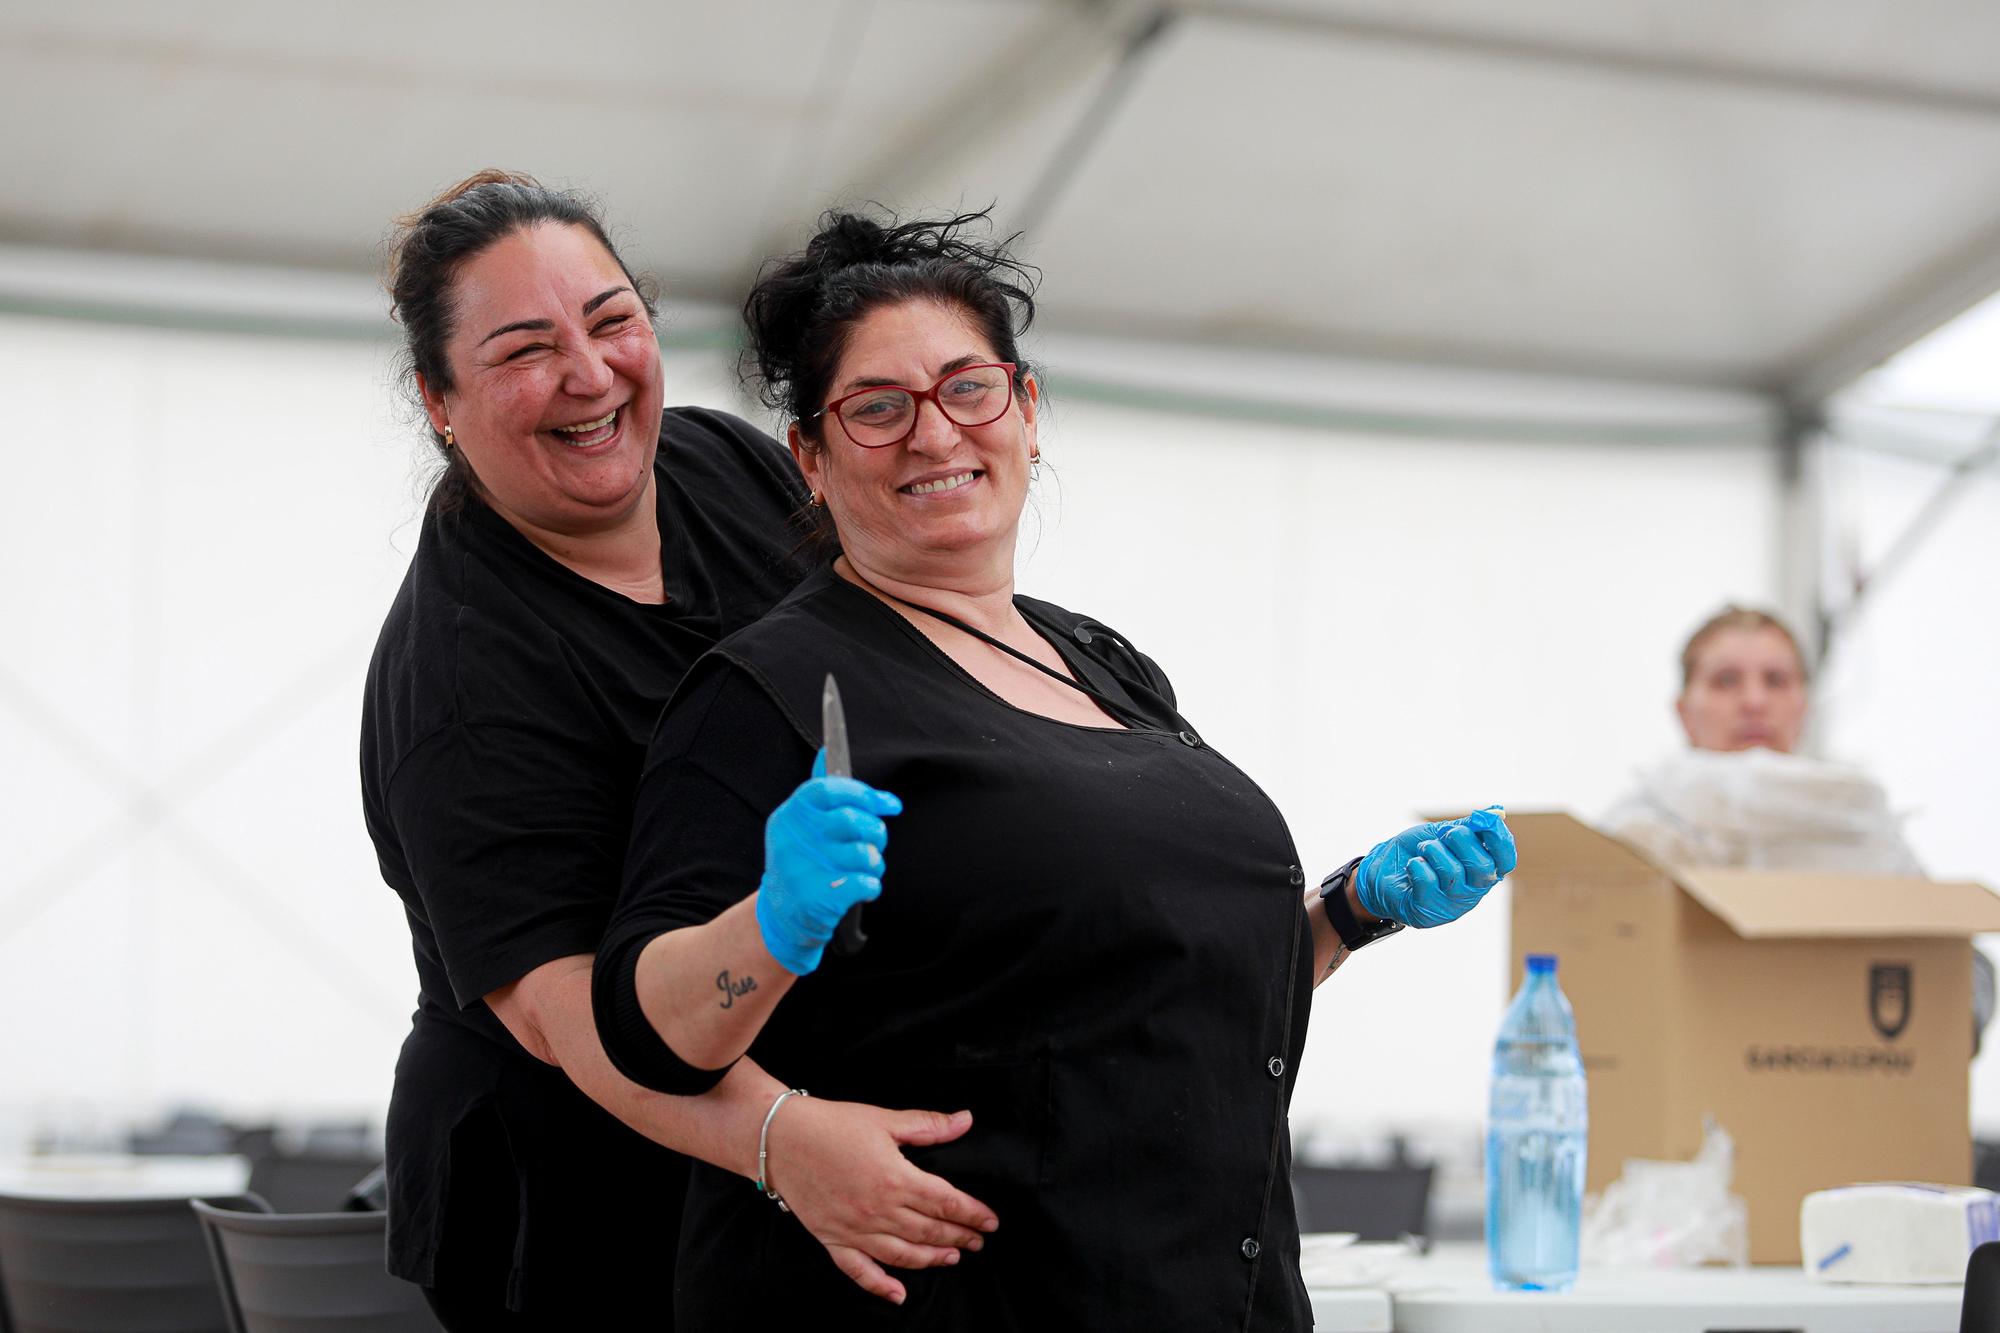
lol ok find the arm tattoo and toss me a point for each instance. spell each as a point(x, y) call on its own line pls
point(731, 989)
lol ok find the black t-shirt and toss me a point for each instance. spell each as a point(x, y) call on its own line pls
point(1092, 937)
point(508, 708)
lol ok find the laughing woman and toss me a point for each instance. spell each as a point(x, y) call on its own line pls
point(1093, 928)
point(582, 548)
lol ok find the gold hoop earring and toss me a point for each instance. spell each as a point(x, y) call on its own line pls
point(449, 439)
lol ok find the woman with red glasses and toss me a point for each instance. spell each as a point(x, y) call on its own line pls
point(1093, 930)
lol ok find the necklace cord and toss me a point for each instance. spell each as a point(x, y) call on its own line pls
point(1110, 707)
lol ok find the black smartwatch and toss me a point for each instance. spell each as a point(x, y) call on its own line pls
point(1352, 930)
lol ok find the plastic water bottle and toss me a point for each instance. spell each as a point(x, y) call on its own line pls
point(1536, 1134)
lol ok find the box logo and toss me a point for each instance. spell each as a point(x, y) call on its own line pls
point(1889, 998)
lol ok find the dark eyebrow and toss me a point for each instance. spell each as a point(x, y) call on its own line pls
point(516, 327)
point(543, 324)
point(955, 364)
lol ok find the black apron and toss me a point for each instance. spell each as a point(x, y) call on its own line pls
point(1091, 937)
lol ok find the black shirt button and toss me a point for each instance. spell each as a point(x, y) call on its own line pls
point(1298, 876)
point(1276, 1064)
point(1189, 739)
point(1251, 1249)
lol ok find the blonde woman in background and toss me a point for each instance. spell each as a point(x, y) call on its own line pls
point(1741, 796)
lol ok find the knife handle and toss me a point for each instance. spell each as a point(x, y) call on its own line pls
point(849, 937)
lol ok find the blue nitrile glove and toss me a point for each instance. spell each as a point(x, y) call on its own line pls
point(822, 854)
point(1434, 873)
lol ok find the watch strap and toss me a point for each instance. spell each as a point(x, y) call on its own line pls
point(1353, 931)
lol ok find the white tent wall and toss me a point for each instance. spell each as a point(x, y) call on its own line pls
point(1907, 691)
point(1370, 625)
point(1909, 688)
point(200, 532)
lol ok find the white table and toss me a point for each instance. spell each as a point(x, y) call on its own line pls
point(1449, 1292)
point(1351, 1310)
point(1348, 1282)
point(117, 1176)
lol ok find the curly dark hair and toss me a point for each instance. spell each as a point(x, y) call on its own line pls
point(805, 306)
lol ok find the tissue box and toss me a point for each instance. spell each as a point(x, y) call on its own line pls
point(1895, 1233)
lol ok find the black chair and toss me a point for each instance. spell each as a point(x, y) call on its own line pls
point(1374, 1202)
point(187, 1133)
point(311, 1182)
point(106, 1265)
point(370, 1194)
point(254, 1142)
point(1986, 1164)
point(352, 1138)
point(309, 1273)
point(1980, 1310)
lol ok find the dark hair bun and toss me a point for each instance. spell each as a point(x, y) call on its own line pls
point(846, 239)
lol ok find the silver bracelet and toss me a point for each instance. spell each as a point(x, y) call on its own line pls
point(764, 1147)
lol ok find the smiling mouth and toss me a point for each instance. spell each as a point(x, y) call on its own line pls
point(942, 484)
point(588, 433)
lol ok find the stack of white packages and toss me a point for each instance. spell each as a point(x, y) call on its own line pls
point(1895, 1232)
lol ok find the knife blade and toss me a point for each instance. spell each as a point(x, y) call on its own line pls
point(849, 937)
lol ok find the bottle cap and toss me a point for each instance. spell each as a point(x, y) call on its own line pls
point(1541, 962)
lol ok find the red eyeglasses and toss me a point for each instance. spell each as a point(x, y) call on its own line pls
point(886, 414)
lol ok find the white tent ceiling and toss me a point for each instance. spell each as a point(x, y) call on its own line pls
point(1752, 194)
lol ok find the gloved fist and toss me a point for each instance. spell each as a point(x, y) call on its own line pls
point(1434, 873)
point(822, 854)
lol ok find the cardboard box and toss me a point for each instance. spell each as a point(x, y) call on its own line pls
point(1825, 1021)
